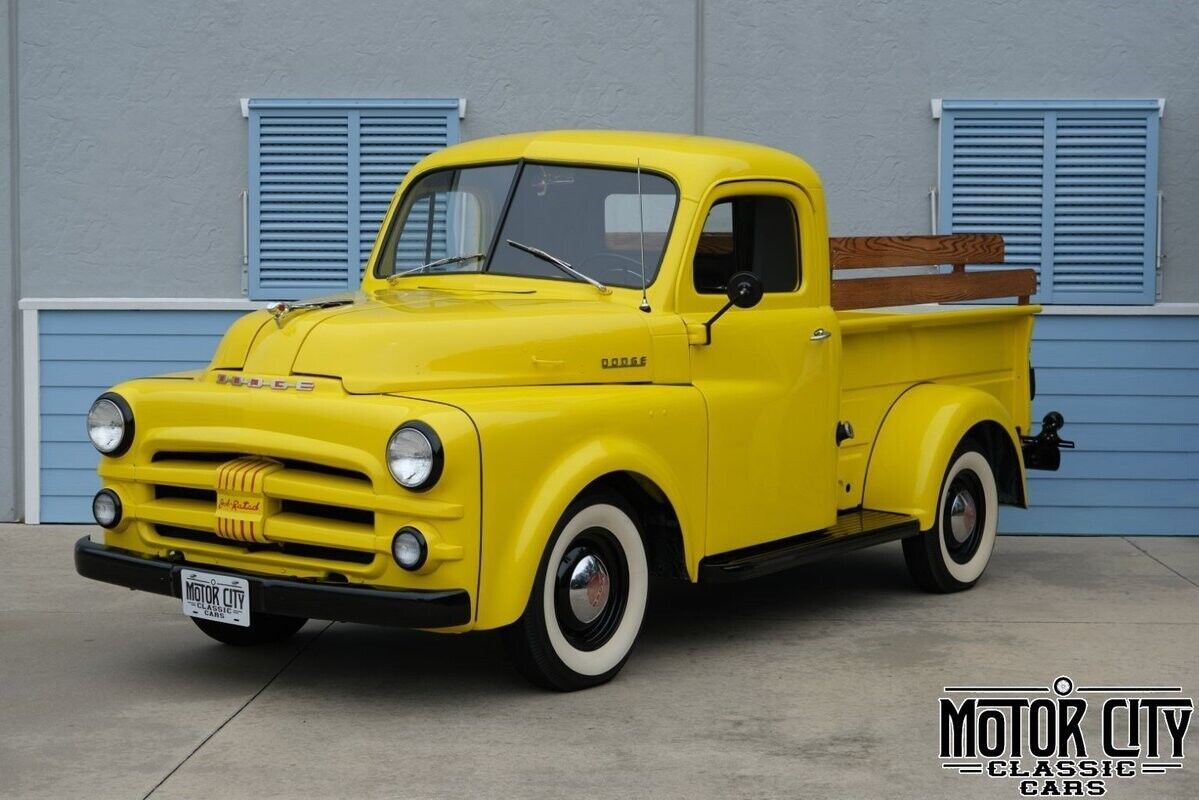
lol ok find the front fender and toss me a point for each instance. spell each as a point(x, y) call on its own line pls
point(542, 446)
point(916, 440)
point(525, 543)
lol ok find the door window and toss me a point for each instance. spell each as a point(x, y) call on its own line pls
point(757, 234)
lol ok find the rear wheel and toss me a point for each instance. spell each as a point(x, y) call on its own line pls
point(588, 598)
point(263, 629)
point(953, 555)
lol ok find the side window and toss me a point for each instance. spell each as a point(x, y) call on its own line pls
point(748, 234)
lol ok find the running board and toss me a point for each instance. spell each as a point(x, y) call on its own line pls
point(854, 530)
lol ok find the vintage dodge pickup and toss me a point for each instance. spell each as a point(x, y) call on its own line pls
point(578, 360)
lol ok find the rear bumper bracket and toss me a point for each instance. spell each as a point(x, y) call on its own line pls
point(1044, 451)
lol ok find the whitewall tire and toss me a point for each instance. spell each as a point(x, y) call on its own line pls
point(953, 555)
point(588, 599)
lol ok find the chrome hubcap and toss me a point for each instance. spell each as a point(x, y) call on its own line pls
point(963, 516)
point(588, 589)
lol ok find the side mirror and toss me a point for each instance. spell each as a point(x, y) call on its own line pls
point(744, 290)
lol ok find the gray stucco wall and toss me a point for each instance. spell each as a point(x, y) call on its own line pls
point(847, 86)
point(133, 150)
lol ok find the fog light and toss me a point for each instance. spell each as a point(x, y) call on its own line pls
point(409, 549)
point(106, 508)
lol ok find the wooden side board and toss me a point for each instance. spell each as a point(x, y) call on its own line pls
point(854, 252)
point(880, 252)
point(902, 290)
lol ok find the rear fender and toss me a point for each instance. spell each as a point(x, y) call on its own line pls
point(917, 439)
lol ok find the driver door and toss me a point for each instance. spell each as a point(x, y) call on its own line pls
point(769, 375)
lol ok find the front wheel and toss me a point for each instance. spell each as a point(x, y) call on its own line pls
point(952, 556)
point(588, 598)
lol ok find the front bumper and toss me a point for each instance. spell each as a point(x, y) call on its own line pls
point(407, 608)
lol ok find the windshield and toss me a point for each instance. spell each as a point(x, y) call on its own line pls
point(447, 215)
point(588, 217)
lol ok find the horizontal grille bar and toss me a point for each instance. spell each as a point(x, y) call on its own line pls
point(222, 457)
point(287, 548)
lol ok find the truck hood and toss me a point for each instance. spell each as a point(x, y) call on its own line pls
point(401, 341)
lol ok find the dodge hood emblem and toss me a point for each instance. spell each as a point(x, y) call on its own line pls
point(264, 383)
point(280, 311)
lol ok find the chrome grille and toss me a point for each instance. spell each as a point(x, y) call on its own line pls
point(313, 510)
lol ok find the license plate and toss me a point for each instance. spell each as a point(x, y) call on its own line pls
point(220, 598)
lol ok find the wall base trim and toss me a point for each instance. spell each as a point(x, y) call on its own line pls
point(140, 303)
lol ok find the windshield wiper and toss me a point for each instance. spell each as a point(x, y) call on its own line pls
point(560, 264)
point(441, 262)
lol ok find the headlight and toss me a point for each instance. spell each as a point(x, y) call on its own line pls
point(110, 424)
point(414, 456)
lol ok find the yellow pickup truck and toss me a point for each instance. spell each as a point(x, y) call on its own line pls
point(578, 360)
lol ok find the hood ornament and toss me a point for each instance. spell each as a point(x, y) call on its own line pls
point(281, 310)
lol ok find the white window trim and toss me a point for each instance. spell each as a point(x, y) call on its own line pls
point(31, 400)
point(936, 104)
point(244, 102)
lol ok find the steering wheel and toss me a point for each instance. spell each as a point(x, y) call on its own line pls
point(600, 254)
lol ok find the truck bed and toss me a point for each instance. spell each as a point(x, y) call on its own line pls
point(884, 352)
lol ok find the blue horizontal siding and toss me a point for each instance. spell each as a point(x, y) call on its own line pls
point(1101, 354)
point(1089, 521)
point(83, 353)
point(1128, 387)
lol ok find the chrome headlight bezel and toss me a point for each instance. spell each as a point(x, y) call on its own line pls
point(112, 401)
point(425, 439)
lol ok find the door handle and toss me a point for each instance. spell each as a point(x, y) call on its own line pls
point(820, 334)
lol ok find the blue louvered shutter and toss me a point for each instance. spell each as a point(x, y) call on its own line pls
point(321, 174)
point(1072, 186)
point(389, 145)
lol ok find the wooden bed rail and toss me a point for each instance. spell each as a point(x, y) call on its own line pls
point(874, 252)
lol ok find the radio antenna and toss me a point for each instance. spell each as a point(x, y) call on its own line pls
point(641, 214)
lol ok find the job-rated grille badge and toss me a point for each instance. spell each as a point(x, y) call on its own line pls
point(242, 507)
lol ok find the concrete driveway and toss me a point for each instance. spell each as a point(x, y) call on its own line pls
point(821, 682)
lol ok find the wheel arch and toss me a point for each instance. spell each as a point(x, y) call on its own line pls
point(919, 435)
point(641, 477)
point(660, 528)
point(1004, 457)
